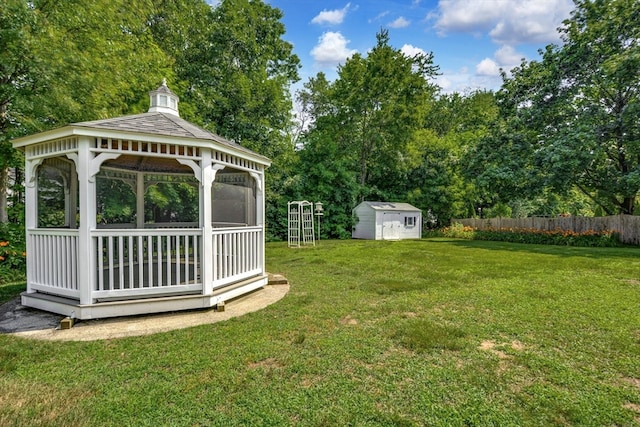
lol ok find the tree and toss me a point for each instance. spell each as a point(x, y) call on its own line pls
point(237, 73)
point(574, 116)
point(328, 178)
point(17, 24)
point(360, 136)
point(240, 76)
point(371, 112)
point(71, 61)
point(440, 183)
point(380, 101)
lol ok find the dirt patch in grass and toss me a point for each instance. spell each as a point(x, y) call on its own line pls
point(268, 364)
point(635, 408)
point(517, 345)
point(348, 321)
point(498, 349)
point(632, 381)
point(490, 346)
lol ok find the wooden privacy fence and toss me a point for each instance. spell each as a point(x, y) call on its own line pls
point(628, 226)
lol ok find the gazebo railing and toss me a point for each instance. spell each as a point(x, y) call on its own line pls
point(237, 254)
point(137, 263)
point(52, 261)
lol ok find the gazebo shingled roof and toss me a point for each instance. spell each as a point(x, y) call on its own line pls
point(160, 124)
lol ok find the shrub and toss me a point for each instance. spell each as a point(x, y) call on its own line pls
point(12, 253)
point(589, 238)
point(459, 231)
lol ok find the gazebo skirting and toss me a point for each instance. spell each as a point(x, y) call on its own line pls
point(139, 271)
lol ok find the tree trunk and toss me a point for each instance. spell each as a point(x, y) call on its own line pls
point(4, 193)
point(628, 205)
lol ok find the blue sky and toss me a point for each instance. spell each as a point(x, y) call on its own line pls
point(470, 39)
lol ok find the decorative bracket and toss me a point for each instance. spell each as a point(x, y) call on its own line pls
point(94, 167)
point(30, 171)
point(258, 179)
point(197, 170)
point(211, 172)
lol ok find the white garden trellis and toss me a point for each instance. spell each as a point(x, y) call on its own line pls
point(300, 224)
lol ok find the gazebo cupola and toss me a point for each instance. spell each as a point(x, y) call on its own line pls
point(140, 214)
point(162, 100)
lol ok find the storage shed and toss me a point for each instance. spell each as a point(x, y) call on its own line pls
point(86, 264)
point(387, 221)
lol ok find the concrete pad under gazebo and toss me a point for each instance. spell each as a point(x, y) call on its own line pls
point(87, 264)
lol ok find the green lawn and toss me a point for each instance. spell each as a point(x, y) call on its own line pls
point(430, 332)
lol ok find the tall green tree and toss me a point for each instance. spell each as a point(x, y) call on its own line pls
point(440, 183)
point(100, 58)
point(18, 68)
point(360, 138)
point(70, 61)
point(574, 116)
point(240, 75)
point(380, 100)
point(237, 74)
point(371, 112)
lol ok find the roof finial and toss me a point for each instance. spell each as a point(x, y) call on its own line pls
point(162, 100)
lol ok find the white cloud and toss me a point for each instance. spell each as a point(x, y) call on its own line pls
point(505, 58)
point(508, 57)
point(444, 83)
point(507, 21)
point(488, 67)
point(399, 23)
point(331, 49)
point(461, 81)
point(379, 17)
point(412, 51)
point(331, 17)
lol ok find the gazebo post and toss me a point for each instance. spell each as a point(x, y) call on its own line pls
point(31, 213)
point(206, 218)
point(260, 215)
point(87, 196)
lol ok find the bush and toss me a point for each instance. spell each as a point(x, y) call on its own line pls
point(459, 231)
point(12, 253)
point(589, 238)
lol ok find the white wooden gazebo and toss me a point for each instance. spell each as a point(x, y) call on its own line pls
point(84, 266)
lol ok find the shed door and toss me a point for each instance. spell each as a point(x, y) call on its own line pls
point(391, 226)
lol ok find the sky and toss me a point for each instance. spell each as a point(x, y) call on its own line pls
point(471, 40)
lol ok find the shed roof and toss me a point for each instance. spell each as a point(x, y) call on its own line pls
point(391, 206)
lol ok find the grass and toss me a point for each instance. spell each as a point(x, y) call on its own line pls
point(430, 332)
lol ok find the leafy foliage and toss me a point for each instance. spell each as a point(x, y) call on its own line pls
point(589, 238)
point(12, 253)
point(571, 119)
point(363, 138)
